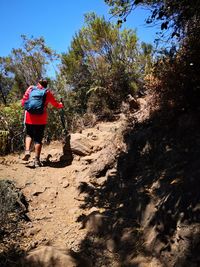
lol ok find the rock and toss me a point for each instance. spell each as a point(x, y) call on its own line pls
point(133, 103)
point(93, 209)
point(47, 255)
point(78, 158)
point(42, 217)
point(111, 173)
point(95, 222)
point(141, 102)
point(61, 179)
point(94, 137)
point(52, 193)
point(33, 231)
point(81, 147)
point(101, 180)
point(34, 244)
point(38, 191)
point(89, 159)
point(65, 184)
point(42, 206)
point(110, 244)
point(89, 134)
point(104, 162)
point(142, 261)
point(30, 224)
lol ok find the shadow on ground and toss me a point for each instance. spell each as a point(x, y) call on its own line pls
point(52, 164)
point(156, 190)
point(64, 160)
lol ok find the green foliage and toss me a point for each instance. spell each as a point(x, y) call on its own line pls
point(4, 140)
point(11, 122)
point(24, 67)
point(11, 116)
point(12, 126)
point(176, 76)
point(54, 128)
point(102, 65)
point(5, 81)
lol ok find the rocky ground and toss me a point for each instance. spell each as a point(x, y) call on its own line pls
point(128, 198)
point(53, 192)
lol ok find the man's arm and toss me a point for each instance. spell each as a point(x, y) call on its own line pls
point(51, 99)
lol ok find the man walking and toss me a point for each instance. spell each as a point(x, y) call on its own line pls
point(36, 117)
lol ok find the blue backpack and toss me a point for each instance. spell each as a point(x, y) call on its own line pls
point(36, 101)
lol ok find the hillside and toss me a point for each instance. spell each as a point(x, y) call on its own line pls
point(129, 197)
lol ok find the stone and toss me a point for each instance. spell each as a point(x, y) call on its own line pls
point(95, 222)
point(81, 147)
point(94, 137)
point(38, 191)
point(65, 184)
point(34, 244)
point(93, 209)
point(110, 244)
point(89, 159)
point(101, 180)
point(60, 257)
point(33, 231)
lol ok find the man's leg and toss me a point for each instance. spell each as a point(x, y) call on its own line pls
point(28, 141)
point(38, 143)
point(38, 148)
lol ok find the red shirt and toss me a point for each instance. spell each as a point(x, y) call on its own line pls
point(39, 118)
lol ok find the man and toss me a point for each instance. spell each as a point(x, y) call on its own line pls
point(35, 123)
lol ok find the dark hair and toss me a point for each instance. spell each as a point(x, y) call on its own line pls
point(44, 83)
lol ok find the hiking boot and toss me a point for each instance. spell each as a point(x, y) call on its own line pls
point(26, 156)
point(37, 163)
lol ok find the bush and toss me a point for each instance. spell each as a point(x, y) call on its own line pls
point(4, 142)
point(54, 127)
point(176, 78)
point(12, 124)
point(12, 205)
point(12, 127)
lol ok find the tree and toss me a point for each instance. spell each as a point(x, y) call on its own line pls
point(103, 64)
point(6, 81)
point(27, 65)
point(180, 15)
point(183, 18)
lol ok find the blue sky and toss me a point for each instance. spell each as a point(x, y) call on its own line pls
point(57, 21)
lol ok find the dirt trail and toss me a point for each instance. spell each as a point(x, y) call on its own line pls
point(52, 190)
point(129, 198)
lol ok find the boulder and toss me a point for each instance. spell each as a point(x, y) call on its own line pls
point(80, 145)
point(49, 256)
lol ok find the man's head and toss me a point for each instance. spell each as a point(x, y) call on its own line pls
point(43, 83)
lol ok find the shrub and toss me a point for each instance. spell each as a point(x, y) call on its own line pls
point(12, 123)
point(176, 78)
point(12, 205)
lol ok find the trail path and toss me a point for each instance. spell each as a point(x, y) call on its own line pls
point(52, 191)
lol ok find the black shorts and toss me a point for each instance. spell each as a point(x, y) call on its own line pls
point(36, 132)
